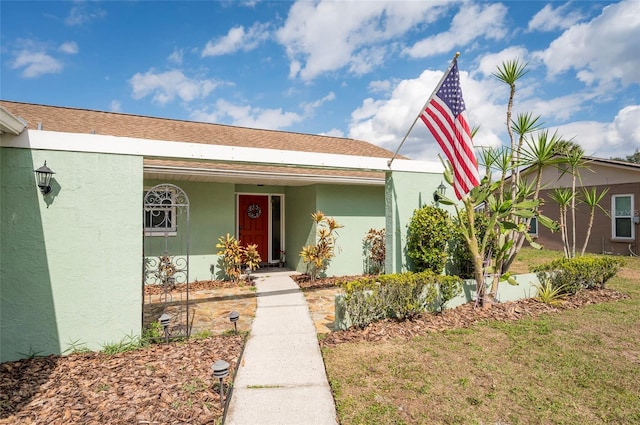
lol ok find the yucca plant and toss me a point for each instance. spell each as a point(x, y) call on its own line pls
point(550, 294)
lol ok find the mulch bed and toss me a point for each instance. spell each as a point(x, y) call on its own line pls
point(305, 283)
point(460, 317)
point(160, 384)
point(199, 285)
point(173, 383)
point(464, 316)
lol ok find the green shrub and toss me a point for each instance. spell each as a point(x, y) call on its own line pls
point(363, 302)
point(429, 232)
point(571, 275)
point(409, 294)
point(449, 287)
point(398, 296)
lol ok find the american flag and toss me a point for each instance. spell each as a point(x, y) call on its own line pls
point(445, 117)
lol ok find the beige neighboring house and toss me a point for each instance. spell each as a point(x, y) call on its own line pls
point(614, 232)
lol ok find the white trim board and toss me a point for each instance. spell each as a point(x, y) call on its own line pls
point(97, 143)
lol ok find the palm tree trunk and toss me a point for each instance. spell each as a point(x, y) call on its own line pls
point(586, 238)
point(573, 215)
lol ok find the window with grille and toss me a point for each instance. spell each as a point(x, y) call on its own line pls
point(622, 216)
point(160, 213)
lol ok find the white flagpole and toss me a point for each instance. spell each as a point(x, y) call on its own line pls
point(455, 57)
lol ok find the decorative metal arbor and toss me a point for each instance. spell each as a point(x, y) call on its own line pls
point(165, 277)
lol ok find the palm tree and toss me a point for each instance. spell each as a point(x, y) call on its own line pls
point(563, 197)
point(592, 198)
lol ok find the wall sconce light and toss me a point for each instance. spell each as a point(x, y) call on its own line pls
point(439, 193)
point(43, 174)
point(234, 316)
point(220, 370)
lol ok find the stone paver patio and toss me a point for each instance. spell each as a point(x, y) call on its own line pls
point(211, 308)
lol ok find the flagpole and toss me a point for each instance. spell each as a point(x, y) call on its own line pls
point(453, 61)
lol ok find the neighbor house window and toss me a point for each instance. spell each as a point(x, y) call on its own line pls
point(533, 227)
point(159, 213)
point(622, 216)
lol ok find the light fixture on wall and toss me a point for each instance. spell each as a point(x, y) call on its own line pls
point(43, 174)
point(439, 193)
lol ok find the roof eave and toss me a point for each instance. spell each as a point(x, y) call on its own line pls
point(261, 176)
point(9, 123)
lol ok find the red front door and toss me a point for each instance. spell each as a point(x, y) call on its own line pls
point(253, 223)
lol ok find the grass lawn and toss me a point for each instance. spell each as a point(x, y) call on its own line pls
point(578, 366)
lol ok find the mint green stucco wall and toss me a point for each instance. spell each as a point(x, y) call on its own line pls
point(300, 203)
point(212, 214)
point(358, 209)
point(69, 261)
point(404, 193)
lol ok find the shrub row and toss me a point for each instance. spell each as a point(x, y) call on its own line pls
point(399, 296)
point(568, 276)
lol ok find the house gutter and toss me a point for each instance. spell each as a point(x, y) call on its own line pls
point(162, 149)
point(9, 123)
point(262, 175)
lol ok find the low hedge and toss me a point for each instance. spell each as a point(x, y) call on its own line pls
point(399, 296)
point(573, 274)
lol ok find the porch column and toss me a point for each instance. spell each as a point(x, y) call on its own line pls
point(404, 193)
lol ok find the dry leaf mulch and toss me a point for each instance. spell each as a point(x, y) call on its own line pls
point(198, 285)
point(159, 384)
point(305, 282)
point(464, 316)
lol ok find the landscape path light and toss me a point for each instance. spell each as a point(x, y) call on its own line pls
point(164, 320)
point(234, 316)
point(220, 370)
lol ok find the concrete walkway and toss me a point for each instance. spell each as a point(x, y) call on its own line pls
point(281, 379)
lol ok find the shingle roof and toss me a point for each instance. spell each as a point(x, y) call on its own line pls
point(73, 120)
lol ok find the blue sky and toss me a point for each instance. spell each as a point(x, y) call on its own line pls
point(360, 69)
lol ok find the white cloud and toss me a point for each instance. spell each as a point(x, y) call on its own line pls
point(312, 106)
point(488, 64)
point(237, 39)
point(380, 86)
point(334, 132)
point(602, 50)
point(82, 13)
point(357, 33)
point(384, 122)
point(176, 56)
point(549, 19)
point(618, 138)
point(164, 87)
point(247, 116)
point(69, 47)
point(115, 106)
point(36, 63)
point(473, 21)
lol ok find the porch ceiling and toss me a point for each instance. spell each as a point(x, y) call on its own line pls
point(255, 174)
